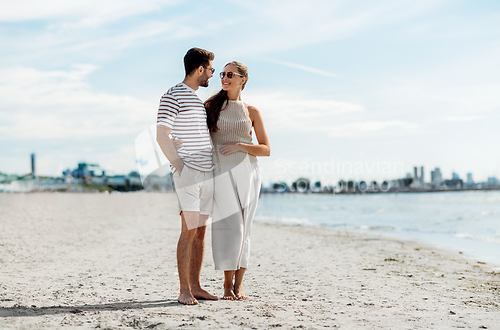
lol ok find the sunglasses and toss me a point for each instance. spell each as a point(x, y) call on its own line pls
point(229, 74)
point(213, 70)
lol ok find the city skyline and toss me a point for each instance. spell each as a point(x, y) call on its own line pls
point(368, 83)
point(418, 176)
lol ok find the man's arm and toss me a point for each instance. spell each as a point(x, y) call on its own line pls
point(168, 148)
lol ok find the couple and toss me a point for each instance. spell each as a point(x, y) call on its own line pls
point(215, 171)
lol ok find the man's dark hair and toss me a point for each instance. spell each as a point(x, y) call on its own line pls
point(196, 57)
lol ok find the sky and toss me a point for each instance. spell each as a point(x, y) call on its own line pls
point(347, 89)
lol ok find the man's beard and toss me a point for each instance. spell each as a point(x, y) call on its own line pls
point(203, 82)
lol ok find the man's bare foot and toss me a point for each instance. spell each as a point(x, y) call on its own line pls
point(199, 293)
point(238, 292)
point(187, 298)
point(229, 294)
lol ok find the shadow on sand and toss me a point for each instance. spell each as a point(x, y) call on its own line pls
point(23, 311)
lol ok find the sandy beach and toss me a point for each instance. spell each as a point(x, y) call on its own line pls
point(108, 261)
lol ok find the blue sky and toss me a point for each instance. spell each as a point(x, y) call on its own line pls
point(361, 89)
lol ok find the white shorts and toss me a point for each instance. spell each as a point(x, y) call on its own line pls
point(195, 190)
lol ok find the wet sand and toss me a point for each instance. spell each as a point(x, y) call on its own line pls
point(108, 262)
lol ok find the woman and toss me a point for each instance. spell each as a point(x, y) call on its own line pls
point(236, 175)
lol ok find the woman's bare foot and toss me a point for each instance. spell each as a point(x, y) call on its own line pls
point(238, 292)
point(200, 293)
point(187, 298)
point(229, 294)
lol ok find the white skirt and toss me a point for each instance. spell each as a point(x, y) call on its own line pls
point(236, 194)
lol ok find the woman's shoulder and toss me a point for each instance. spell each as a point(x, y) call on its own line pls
point(252, 111)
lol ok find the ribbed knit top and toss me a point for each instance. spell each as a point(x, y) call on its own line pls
point(234, 126)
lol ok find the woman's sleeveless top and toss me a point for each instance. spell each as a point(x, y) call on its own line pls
point(234, 126)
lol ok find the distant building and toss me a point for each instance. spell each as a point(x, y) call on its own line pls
point(302, 185)
point(454, 183)
point(454, 176)
point(493, 182)
point(85, 170)
point(422, 174)
point(436, 177)
point(470, 182)
point(33, 173)
point(92, 174)
point(415, 173)
point(408, 175)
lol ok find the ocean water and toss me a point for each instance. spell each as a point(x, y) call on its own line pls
point(467, 221)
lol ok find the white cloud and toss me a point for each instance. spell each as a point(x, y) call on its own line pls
point(304, 68)
point(292, 24)
point(77, 27)
point(294, 111)
point(58, 115)
point(91, 45)
point(463, 118)
point(89, 12)
point(462, 88)
point(60, 104)
point(150, 32)
point(365, 129)
point(81, 31)
point(301, 113)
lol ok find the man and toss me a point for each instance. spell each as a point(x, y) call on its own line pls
point(182, 115)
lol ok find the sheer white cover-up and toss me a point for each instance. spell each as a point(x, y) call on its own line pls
point(237, 182)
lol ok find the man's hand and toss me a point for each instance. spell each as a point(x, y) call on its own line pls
point(177, 143)
point(180, 168)
point(166, 145)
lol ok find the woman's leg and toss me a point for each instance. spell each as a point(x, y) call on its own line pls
point(249, 197)
point(228, 285)
point(238, 283)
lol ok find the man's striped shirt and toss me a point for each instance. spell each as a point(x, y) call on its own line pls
point(182, 111)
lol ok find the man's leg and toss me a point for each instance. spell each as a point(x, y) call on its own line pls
point(197, 260)
point(184, 256)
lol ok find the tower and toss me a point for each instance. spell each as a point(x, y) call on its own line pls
point(33, 165)
point(422, 174)
point(470, 181)
point(436, 176)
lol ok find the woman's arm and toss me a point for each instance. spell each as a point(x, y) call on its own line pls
point(261, 149)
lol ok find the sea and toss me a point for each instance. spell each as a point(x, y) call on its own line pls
point(465, 221)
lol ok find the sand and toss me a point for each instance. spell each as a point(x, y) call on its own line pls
point(97, 261)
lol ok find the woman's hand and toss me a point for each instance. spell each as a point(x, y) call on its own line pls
point(231, 148)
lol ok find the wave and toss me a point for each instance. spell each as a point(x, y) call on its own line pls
point(285, 220)
point(307, 222)
point(489, 239)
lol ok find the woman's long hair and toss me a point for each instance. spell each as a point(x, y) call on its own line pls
point(215, 103)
